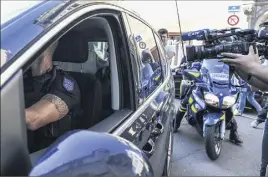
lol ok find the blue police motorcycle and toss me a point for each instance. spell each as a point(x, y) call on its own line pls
point(209, 91)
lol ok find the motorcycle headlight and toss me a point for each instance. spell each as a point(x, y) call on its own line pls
point(228, 101)
point(211, 99)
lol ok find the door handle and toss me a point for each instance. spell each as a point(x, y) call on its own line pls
point(149, 148)
point(158, 129)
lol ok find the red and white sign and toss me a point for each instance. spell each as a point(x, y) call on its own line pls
point(233, 20)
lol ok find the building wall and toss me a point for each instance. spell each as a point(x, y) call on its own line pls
point(256, 12)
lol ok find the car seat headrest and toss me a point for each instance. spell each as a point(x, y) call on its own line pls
point(72, 47)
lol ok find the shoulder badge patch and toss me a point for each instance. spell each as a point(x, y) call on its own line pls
point(68, 84)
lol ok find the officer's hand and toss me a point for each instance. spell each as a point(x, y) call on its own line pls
point(244, 63)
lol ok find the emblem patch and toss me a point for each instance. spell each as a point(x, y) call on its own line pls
point(68, 84)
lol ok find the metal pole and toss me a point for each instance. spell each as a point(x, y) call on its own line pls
point(179, 21)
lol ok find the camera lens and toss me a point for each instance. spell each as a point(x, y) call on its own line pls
point(209, 52)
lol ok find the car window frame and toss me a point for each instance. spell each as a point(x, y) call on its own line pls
point(50, 34)
point(164, 59)
point(138, 57)
point(133, 56)
point(54, 34)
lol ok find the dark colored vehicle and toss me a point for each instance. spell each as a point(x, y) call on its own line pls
point(122, 112)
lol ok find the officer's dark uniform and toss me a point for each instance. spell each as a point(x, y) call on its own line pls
point(62, 85)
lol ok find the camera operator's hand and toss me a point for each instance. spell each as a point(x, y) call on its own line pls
point(242, 63)
point(249, 68)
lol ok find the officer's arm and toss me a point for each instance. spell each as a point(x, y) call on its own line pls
point(63, 96)
point(49, 109)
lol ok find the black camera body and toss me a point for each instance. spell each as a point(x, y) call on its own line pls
point(214, 51)
point(214, 46)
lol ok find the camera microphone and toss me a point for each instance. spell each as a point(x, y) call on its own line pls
point(199, 35)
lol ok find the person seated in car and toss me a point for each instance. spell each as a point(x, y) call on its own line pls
point(50, 94)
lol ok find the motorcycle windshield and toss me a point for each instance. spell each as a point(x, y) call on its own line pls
point(219, 77)
point(218, 71)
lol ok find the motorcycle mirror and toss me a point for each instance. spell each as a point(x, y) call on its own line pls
point(87, 153)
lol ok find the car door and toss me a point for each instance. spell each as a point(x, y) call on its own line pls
point(153, 96)
point(14, 154)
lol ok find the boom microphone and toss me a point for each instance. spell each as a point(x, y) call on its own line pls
point(200, 35)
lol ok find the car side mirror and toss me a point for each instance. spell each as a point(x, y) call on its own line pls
point(87, 153)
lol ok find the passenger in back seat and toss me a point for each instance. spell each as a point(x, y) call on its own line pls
point(50, 94)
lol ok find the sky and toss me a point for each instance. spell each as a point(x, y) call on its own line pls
point(194, 15)
point(9, 9)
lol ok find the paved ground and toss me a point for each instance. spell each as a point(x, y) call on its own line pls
point(190, 159)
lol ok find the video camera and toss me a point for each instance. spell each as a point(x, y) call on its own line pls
point(241, 40)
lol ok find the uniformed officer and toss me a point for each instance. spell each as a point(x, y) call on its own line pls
point(50, 95)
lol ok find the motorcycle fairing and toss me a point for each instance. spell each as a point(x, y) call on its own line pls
point(212, 119)
point(192, 74)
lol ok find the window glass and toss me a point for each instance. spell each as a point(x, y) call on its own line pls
point(163, 54)
point(134, 62)
point(150, 72)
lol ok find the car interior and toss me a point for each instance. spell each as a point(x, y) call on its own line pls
point(87, 53)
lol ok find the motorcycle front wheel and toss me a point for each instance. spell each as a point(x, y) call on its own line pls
point(213, 142)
